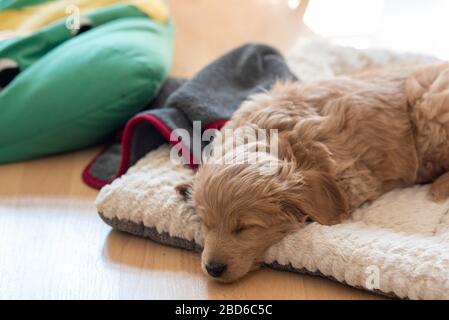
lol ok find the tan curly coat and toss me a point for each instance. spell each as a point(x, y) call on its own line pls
point(342, 142)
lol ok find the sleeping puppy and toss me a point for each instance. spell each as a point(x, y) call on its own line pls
point(341, 143)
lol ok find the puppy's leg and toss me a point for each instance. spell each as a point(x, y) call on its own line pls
point(440, 188)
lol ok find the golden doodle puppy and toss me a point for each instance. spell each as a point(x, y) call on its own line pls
point(340, 143)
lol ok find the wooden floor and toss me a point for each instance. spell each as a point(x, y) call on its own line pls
point(52, 243)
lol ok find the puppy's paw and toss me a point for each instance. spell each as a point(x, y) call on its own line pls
point(439, 194)
point(440, 188)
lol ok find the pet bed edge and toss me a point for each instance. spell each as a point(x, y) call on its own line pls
point(164, 238)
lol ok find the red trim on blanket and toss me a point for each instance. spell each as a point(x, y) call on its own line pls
point(161, 127)
point(216, 124)
point(126, 147)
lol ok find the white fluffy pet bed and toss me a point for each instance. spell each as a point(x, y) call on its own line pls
point(398, 245)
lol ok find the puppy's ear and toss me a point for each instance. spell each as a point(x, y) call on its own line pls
point(316, 196)
point(294, 211)
point(321, 198)
point(185, 190)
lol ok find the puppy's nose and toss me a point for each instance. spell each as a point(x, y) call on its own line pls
point(216, 269)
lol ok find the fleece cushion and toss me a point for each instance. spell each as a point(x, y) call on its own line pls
point(397, 245)
point(64, 91)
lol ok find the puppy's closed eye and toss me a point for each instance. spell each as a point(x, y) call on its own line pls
point(238, 230)
point(243, 228)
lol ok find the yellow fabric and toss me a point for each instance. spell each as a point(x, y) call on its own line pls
point(30, 19)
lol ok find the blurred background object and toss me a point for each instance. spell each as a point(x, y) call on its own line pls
point(402, 25)
point(208, 28)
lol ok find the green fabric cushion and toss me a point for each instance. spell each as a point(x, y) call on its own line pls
point(14, 4)
point(76, 95)
point(27, 50)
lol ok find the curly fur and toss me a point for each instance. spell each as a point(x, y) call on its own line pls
point(342, 142)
